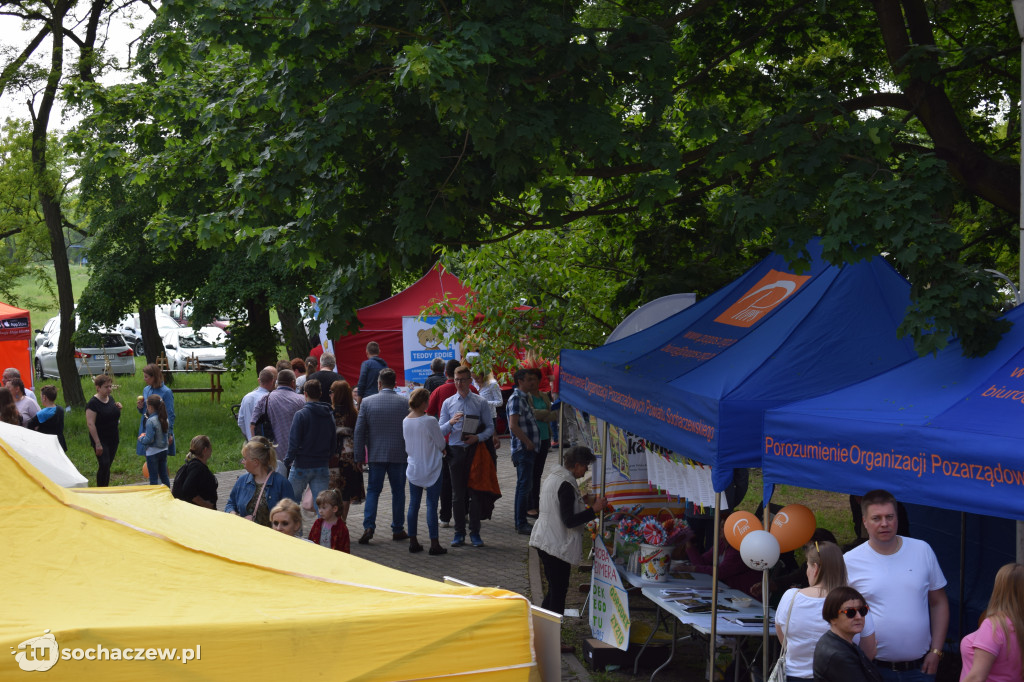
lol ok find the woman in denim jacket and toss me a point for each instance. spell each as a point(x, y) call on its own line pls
point(261, 487)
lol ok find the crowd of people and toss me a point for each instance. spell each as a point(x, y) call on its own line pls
point(880, 611)
point(309, 430)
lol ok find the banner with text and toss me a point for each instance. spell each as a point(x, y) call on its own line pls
point(609, 603)
point(421, 343)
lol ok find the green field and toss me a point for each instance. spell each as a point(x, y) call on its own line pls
point(195, 412)
point(38, 300)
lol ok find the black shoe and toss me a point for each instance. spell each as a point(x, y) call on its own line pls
point(524, 530)
point(415, 546)
point(436, 550)
point(367, 535)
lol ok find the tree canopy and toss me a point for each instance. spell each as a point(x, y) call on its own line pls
point(615, 152)
point(353, 135)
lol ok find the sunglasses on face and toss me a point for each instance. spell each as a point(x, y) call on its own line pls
point(850, 613)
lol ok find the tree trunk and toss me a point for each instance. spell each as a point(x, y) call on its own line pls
point(70, 382)
point(259, 339)
point(296, 336)
point(151, 340)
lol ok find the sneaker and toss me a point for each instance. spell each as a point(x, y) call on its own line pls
point(459, 540)
point(475, 539)
point(446, 524)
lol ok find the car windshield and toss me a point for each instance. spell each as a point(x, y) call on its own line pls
point(196, 341)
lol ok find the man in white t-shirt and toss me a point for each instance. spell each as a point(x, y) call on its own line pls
point(901, 580)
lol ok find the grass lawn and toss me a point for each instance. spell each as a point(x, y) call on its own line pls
point(41, 303)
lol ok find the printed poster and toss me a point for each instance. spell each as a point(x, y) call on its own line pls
point(421, 343)
point(609, 604)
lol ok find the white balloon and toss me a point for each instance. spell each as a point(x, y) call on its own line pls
point(759, 549)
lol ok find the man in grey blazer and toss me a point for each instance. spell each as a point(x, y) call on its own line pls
point(379, 441)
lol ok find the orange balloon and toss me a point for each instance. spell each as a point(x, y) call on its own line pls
point(738, 525)
point(793, 526)
point(145, 469)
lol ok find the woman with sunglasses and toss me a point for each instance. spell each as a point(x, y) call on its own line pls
point(798, 623)
point(836, 657)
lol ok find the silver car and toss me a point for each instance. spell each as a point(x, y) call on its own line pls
point(110, 354)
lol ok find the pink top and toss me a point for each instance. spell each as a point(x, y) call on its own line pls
point(993, 639)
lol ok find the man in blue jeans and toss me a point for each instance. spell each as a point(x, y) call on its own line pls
point(312, 440)
point(379, 440)
point(525, 441)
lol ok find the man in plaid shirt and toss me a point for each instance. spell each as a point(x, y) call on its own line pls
point(525, 441)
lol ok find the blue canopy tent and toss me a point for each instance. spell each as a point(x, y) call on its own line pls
point(944, 431)
point(698, 382)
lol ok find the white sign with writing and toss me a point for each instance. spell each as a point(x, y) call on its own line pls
point(421, 343)
point(609, 604)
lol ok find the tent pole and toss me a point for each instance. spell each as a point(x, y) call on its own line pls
point(962, 610)
point(561, 430)
point(1018, 15)
point(604, 478)
point(714, 587)
point(765, 598)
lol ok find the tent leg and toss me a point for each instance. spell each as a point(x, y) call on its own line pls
point(765, 598)
point(714, 587)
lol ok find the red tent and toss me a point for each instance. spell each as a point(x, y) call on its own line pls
point(16, 341)
point(382, 322)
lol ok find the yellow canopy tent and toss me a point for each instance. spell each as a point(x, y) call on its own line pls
point(129, 573)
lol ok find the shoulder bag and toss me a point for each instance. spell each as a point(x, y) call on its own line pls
point(779, 671)
point(263, 427)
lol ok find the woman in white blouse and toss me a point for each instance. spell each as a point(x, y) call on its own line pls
point(798, 621)
point(424, 446)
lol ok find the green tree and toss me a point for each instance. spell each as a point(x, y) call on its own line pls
point(22, 227)
point(64, 48)
point(367, 134)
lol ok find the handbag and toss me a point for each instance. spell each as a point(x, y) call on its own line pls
point(263, 427)
point(259, 498)
point(779, 671)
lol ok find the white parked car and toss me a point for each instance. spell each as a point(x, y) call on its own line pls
point(186, 347)
point(110, 347)
point(131, 330)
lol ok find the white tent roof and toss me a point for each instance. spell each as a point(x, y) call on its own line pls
point(45, 453)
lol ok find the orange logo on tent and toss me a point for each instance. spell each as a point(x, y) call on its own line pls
point(762, 298)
